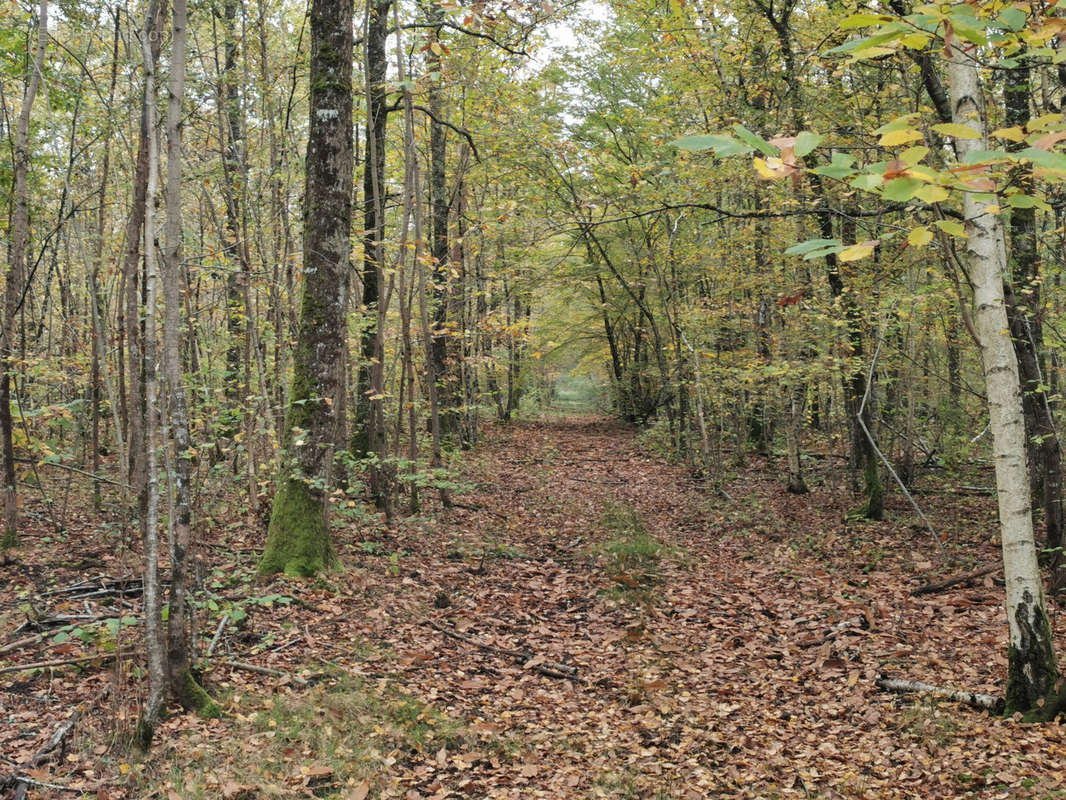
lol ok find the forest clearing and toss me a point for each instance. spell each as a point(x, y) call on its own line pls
point(717, 648)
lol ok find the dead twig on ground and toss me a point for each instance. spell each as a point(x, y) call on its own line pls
point(931, 588)
point(551, 669)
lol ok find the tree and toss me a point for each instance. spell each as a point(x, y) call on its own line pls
point(14, 287)
point(1031, 669)
point(298, 541)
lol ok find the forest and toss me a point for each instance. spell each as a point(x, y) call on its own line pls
point(514, 398)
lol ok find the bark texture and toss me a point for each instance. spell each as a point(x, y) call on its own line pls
point(16, 278)
point(298, 538)
point(1031, 670)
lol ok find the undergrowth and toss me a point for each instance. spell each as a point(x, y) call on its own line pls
point(633, 556)
point(322, 742)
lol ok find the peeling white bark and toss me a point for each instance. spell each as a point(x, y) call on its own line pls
point(986, 256)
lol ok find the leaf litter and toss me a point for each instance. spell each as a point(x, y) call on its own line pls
point(619, 631)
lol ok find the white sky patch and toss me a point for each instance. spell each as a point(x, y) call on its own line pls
point(562, 37)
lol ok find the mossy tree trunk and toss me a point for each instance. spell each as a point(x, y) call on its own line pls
point(298, 540)
point(1031, 671)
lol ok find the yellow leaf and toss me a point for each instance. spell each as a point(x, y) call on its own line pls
point(932, 194)
point(920, 237)
point(124, 768)
point(993, 209)
point(1015, 134)
point(857, 251)
point(894, 138)
point(957, 130)
point(951, 227)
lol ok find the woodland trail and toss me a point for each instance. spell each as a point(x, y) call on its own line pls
point(742, 664)
point(747, 670)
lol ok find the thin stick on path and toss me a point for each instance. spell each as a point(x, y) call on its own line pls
point(985, 702)
point(550, 669)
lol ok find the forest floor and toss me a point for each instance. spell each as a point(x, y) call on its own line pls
point(673, 642)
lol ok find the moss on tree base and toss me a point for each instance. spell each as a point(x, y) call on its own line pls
point(193, 697)
point(8, 539)
point(298, 542)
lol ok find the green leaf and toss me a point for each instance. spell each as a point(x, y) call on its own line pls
point(60, 637)
point(1021, 201)
point(826, 251)
point(867, 181)
point(755, 141)
point(1013, 18)
point(805, 143)
point(986, 157)
point(1044, 159)
point(723, 146)
point(900, 190)
point(898, 124)
point(809, 245)
point(966, 27)
point(840, 168)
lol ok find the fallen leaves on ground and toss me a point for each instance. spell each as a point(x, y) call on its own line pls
point(743, 665)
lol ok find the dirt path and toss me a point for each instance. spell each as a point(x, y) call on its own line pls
point(749, 671)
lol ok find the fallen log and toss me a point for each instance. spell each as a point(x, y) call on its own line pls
point(550, 669)
point(63, 662)
point(932, 588)
point(985, 702)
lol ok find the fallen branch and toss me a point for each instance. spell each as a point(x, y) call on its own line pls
point(20, 643)
point(63, 662)
point(551, 669)
point(931, 588)
point(985, 702)
point(274, 673)
point(218, 634)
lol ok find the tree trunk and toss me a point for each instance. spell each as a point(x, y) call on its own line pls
point(298, 540)
point(376, 69)
point(1031, 670)
point(182, 683)
point(1025, 313)
point(158, 678)
point(16, 279)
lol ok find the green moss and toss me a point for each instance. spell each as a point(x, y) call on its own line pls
point(193, 697)
point(9, 539)
point(875, 490)
point(298, 540)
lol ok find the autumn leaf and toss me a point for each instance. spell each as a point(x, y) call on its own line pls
point(858, 251)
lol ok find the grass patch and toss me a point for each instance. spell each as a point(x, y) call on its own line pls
point(322, 741)
point(632, 556)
